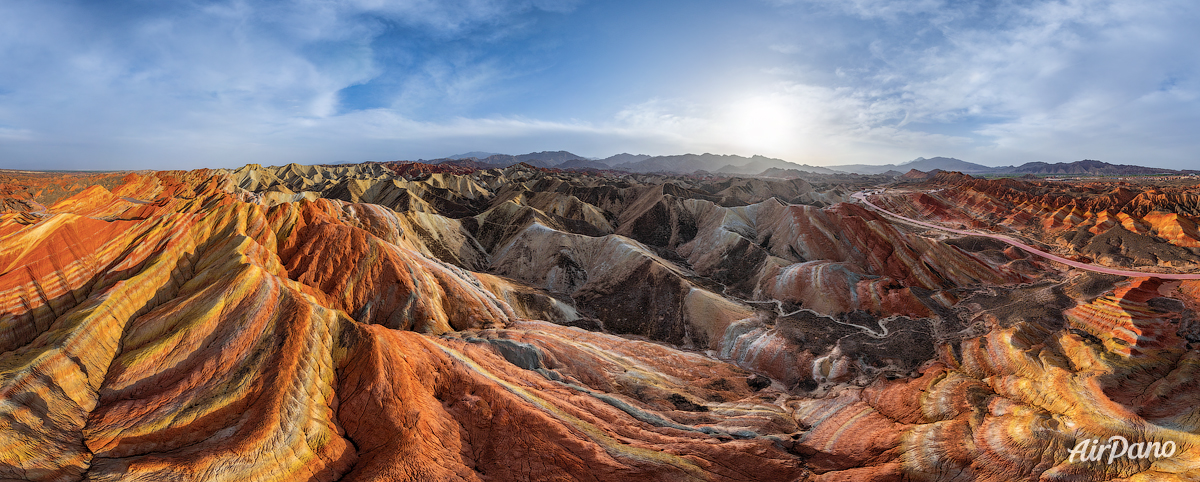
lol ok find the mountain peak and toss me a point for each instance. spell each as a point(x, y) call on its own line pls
point(475, 154)
point(920, 164)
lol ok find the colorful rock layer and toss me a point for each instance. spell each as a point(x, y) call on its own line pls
point(1119, 223)
point(397, 322)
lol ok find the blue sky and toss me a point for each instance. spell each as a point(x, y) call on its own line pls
point(183, 84)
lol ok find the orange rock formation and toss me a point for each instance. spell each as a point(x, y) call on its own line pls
point(396, 322)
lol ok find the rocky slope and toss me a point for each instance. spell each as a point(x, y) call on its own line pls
point(1118, 223)
point(405, 322)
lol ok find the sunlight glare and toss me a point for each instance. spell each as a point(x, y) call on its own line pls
point(760, 124)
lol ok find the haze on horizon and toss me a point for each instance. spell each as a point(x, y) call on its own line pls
point(180, 85)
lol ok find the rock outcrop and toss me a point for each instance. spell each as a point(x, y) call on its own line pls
point(397, 321)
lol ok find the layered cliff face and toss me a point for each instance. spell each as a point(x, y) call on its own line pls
point(1118, 223)
point(400, 322)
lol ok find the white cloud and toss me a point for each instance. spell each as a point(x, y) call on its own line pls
point(11, 134)
point(794, 121)
point(786, 49)
point(81, 74)
point(1028, 79)
point(863, 81)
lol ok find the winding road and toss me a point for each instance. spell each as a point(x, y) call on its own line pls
point(862, 196)
point(883, 333)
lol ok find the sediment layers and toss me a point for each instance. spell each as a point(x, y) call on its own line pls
point(1117, 223)
point(214, 339)
point(395, 322)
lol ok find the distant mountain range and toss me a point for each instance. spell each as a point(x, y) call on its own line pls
point(625, 158)
point(766, 166)
point(639, 163)
point(474, 154)
point(920, 164)
point(539, 159)
point(725, 164)
point(1085, 167)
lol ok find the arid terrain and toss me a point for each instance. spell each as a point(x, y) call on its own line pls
point(419, 322)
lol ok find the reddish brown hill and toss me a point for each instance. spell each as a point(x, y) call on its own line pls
point(410, 169)
point(327, 323)
point(1118, 223)
point(210, 340)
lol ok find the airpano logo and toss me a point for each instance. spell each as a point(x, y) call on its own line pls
point(1091, 450)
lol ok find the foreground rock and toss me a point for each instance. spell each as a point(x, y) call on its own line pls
point(399, 323)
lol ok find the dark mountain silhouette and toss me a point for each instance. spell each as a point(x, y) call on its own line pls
point(1084, 167)
point(763, 166)
point(719, 163)
point(920, 164)
point(623, 158)
point(583, 164)
point(759, 164)
point(539, 159)
point(475, 154)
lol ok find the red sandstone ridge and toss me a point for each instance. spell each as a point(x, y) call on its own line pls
point(1119, 223)
point(387, 322)
point(216, 345)
point(915, 175)
point(410, 169)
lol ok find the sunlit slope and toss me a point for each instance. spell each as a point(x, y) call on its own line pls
point(378, 322)
point(226, 340)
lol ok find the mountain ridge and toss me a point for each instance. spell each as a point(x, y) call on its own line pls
point(759, 165)
point(920, 163)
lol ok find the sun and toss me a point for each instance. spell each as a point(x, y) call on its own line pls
point(760, 124)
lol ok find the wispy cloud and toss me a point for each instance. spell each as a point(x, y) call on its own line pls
point(785, 48)
point(87, 73)
point(15, 134)
point(818, 81)
point(1028, 79)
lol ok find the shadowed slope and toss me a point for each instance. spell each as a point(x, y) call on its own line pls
point(379, 282)
point(206, 326)
point(213, 340)
point(1119, 224)
point(494, 420)
point(171, 409)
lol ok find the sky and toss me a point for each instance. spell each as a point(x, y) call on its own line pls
point(141, 84)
